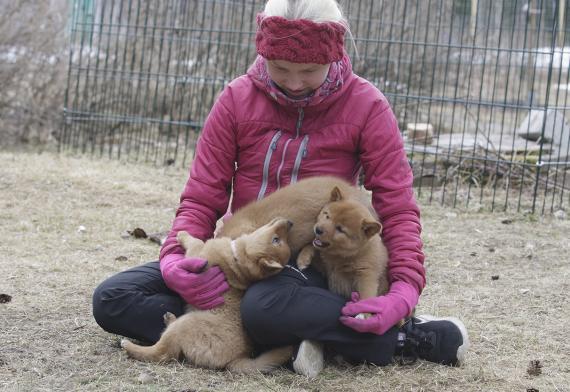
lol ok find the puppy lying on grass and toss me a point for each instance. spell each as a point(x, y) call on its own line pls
point(347, 248)
point(215, 338)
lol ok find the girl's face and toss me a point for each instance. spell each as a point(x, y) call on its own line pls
point(295, 79)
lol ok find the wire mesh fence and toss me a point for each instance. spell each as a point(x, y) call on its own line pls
point(479, 87)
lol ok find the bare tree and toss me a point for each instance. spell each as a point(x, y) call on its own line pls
point(32, 69)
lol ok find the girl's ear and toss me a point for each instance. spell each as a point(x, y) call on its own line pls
point(336, 195)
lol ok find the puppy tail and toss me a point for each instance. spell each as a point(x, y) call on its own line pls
point(265, 363)
point(156, 353)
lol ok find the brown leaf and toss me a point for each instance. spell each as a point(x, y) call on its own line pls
point(121, 258)
point(534, 368)
point(158, 238)
point(138, 233)
point(5, 298)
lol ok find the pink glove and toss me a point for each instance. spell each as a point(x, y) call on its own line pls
point(202, 290)
point(386, 310)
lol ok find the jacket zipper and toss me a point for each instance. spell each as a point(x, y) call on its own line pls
point(299, 122)
point(272, 147)
point(297, 133)
point(302, 153)
point(282, 162)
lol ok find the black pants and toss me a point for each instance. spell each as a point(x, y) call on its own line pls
point(284, 309)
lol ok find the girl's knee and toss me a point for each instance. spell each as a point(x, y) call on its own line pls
point(106, 304)
point(99, 309)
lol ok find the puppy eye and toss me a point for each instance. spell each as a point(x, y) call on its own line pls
point(276, 240)
point(339, 229)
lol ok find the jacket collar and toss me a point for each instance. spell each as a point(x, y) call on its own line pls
point(321, 98)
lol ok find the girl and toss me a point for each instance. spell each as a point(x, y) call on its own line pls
point(299, 111)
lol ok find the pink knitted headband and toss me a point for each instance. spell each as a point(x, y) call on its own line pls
point(299, 40)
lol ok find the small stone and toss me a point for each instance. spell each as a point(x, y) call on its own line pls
point(495, 277)
point(81, 229)
point(5, 298)
point(145, 378)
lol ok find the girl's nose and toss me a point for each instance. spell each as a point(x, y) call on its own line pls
point(294, 84)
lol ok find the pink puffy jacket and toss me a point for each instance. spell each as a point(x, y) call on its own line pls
point(255, 141)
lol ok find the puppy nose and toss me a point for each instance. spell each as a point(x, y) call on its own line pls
point(318, 230)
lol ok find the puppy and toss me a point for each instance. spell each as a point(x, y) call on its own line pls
point(215, 338)
point(347, 248)
point(300, 203)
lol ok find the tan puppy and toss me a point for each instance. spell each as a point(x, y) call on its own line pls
point(300, 203)
point(347, 248)
point(215, 338)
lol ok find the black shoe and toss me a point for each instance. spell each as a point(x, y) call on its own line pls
point(439, 340)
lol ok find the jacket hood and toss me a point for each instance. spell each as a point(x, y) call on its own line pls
point(339, 74)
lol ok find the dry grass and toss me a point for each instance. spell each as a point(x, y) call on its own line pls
point(49, 340)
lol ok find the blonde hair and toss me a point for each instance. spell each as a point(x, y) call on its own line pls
point(318, 11)
point(315, 10)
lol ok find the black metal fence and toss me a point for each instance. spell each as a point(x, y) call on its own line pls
point(480, 87)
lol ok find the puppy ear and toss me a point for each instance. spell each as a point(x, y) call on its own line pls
point(336, 194)
point(270, 265)
point(272, 221)
point(371, 227)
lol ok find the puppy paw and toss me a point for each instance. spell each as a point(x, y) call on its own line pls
point(302, 264)
point(168, 318)
point(125, 343)
point(305, 257)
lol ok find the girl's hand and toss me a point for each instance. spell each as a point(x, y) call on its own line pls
point(186, 276)
point(385, 311)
